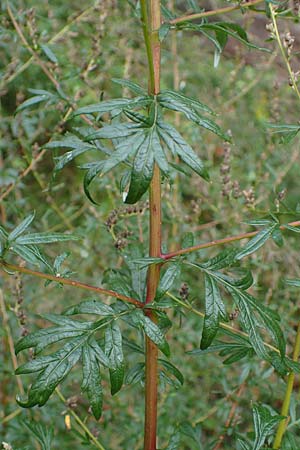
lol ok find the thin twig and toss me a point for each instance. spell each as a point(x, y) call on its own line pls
point(54, 39)
point(33, 53)
point(77, 284)
point(230, 416)
point(11, 416)
point(42, 65)
point(284, 55)
point(226, 240)
point(23, 174)
point(288, 395)
point(214, 12)
point(79, 421)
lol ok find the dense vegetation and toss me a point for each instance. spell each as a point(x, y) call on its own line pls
point(88, 129)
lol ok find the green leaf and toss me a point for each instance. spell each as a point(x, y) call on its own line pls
point(93, 170)
point(44, 337)
point(174, 441)
point(169, 367)
point(116, 104)
point(187, 240)
point(135, 374)
point(52, 373)
point(78, 148)
point(114, 131)
point(179, 147)
point(191, 114)
point(49, 53)
point(277, 237)
point(257, 241)
point(153, 332)
point(43, 434)
point(167, 280)
point(253, 314)
point(114, 352)
point(231, 29)
point(30, 254)
point(247, 306)
point(91, 381)
point(134, 87)
point(163, 31)
point(264, 423)
point(124, 149)
point(224, 259)
point(292, 228)
point(259, 222)
point(54, 368)
point(147, 261)
point(244, 445)
point(44, 96)
point(159, 154)
point(45, 238)
point(90, 307)
point(142, 170)
point(169, 96)
point(295, 282)
point(21, 227)
point(288, 131)
point(214, 312)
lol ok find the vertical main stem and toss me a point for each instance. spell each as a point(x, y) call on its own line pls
point(151, 18)
point(288, 393)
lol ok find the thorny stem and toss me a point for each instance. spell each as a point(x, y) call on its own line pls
point(284, 55)
point(77, 284)
point(223, 325)
point(214, 12)
point(239, 237)
point(79, 421)
point(288, 394)
point(151, 19)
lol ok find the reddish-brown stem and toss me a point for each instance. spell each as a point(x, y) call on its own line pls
point(151, 18)
point(214, 12)
point(226, 240)
point(74, 283)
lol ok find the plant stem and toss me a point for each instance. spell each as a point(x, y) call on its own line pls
point(77, 284)
point(151, 18)
point(226, 240)
point(23, 174)
point(80, 422)
point(284, 55)
point(214, 12)
point(288, 393)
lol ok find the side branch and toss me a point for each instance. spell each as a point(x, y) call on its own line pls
point(67, 281)
point(214, 12)
point(226, 240)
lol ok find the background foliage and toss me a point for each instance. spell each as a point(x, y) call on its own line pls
point(253, 175)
